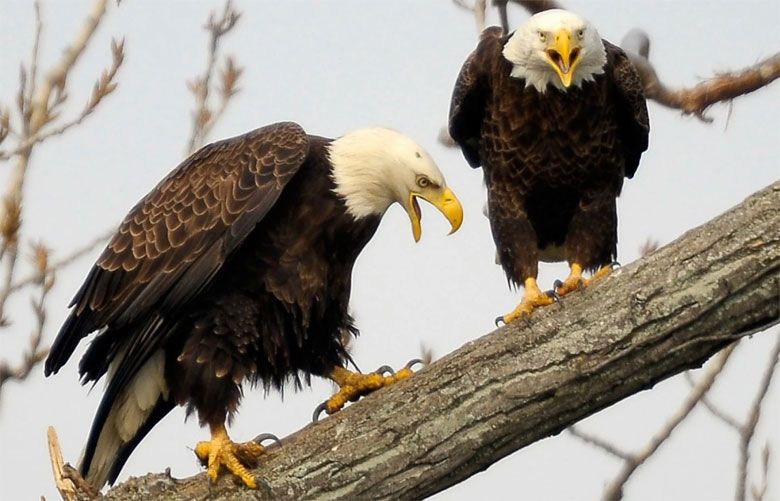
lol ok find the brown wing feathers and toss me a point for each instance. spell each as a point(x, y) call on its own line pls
point(467, 107)
point(633, 117)
point(178, 236)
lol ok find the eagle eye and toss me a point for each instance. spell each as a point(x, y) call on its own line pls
point(542, 36)
point(423, 182)
point(581, 34)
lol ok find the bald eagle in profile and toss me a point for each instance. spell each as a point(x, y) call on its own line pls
point(236, 269)
point(556, 117)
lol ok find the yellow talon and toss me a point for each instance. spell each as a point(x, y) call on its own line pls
point(603, 272)
point(236, 457)
point(353, 385)
point(575, 280)
point(532, 299)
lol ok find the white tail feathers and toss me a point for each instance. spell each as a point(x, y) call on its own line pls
point(128, 413)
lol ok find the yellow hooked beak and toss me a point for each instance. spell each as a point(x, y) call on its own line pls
point(563, 57)
point(441, 198)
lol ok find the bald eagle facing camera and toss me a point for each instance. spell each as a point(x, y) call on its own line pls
point(556, 117)
point(236, 269)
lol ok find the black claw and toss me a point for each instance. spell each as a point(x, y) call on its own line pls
point(411, 363)
point(553, 295)
point(385, 369)
point(615, 265)
point(318, 411)
point(557, 285)
point(499, 321)
point(266, 436)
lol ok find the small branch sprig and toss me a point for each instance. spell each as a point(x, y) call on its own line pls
point(205, 115)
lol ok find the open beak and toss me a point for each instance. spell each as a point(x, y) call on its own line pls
point(563, 57)
point(444, 200)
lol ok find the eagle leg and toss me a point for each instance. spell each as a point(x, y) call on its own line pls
point(532, 298)
point(238, 458)
point(353, 385)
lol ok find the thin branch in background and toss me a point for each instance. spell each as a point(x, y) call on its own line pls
point(749, 428)
point(65, 261)
point(35, 50)
point(203, 118)
point(649, 246)
point(600, 443)
point(478, 9)
point(426, 354)
point(5, 124)
point(39, 102)
point(537, 6)
point(35, 353)
point(759, 492)
point(56, 79)
point(714, 409)
point(105, 85)
point(502, 14)
point(614, 490)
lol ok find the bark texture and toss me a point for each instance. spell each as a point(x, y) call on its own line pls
point(646, 322)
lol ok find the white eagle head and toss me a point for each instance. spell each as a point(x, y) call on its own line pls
point(376, 167)
point(555, 47)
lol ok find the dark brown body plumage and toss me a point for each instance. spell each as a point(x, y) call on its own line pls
point(237, 266)
point(554, 162)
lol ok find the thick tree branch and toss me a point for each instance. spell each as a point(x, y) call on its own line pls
point(532, 379)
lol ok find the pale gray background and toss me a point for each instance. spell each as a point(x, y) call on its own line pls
point(335, 66)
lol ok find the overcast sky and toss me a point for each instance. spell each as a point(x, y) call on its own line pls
point(340, 65)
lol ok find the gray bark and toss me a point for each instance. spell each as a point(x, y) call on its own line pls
point(499, 393)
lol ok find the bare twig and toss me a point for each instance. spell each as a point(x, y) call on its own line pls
point(35, 353)
point(614, 490)
point(61, 263)
point(5, 124)
point(479, 9)
point(32, 358)
point(714, 409)
point(649, 246)
point(203, 118)
point(502, 14)
point(536, 6)
point(38, 103)
point(749, 428)
point(600, 443)
point(35, 51)
point(57, 76)
point(759, 492)
point(103, 87)
point(426, 354)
